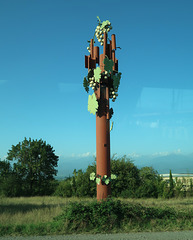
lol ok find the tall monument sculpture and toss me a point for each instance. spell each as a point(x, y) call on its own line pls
point(104, 80)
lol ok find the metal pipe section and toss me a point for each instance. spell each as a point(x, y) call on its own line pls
point(103, 146)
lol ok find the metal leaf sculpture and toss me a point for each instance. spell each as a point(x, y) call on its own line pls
point(92, 104)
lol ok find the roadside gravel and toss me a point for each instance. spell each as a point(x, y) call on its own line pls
point(184, 235)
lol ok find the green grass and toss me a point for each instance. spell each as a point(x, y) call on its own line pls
point(55, 215)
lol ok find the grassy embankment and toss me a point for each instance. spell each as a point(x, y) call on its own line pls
point(47, 215)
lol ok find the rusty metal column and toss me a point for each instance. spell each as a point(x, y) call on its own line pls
point(103, 133)
point(103, 146)
point(103, 114)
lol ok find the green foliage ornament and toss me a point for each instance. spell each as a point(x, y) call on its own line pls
point(116, 80)
point(98, 181)
point(97, 74)
point(105, 179)
point(105, 23)
point(108, 64)
point(86, 84)
point(94, 75)
point(90, 73)
point(92, 176)
point(92, 104)
point(105, 26)
point(109, 68)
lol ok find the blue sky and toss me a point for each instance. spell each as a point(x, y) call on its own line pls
point(42, 49)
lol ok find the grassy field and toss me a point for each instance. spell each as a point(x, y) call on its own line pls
point(55, 215)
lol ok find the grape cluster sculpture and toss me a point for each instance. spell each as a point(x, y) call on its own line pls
point(94, 75)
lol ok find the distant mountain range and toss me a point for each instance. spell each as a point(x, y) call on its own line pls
point(178, 163)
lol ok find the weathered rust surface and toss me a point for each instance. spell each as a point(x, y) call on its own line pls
point(102, 147)
point(102, 115)
point(96, 54)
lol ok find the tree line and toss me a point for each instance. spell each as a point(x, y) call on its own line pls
point(34, 171)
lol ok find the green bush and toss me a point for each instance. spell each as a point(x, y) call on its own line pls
point(64, 189)
point(111, 214)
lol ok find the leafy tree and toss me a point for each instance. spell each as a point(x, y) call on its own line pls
point(5, 170)
point(128, 179)
point(191, 188)
point(171, 182)
point(9, 186)
point(130, 182)
point(134, 183)
point(82, 184)
point(64, 189)
point(73, 183)
point(150, 180)
point(35, 166)
point(145, 183)
point(92, 184)
point(166, 191)
point(78, 185)
point(178, 188)
point(160, 187)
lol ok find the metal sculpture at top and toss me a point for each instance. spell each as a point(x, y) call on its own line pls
point(104, 80)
